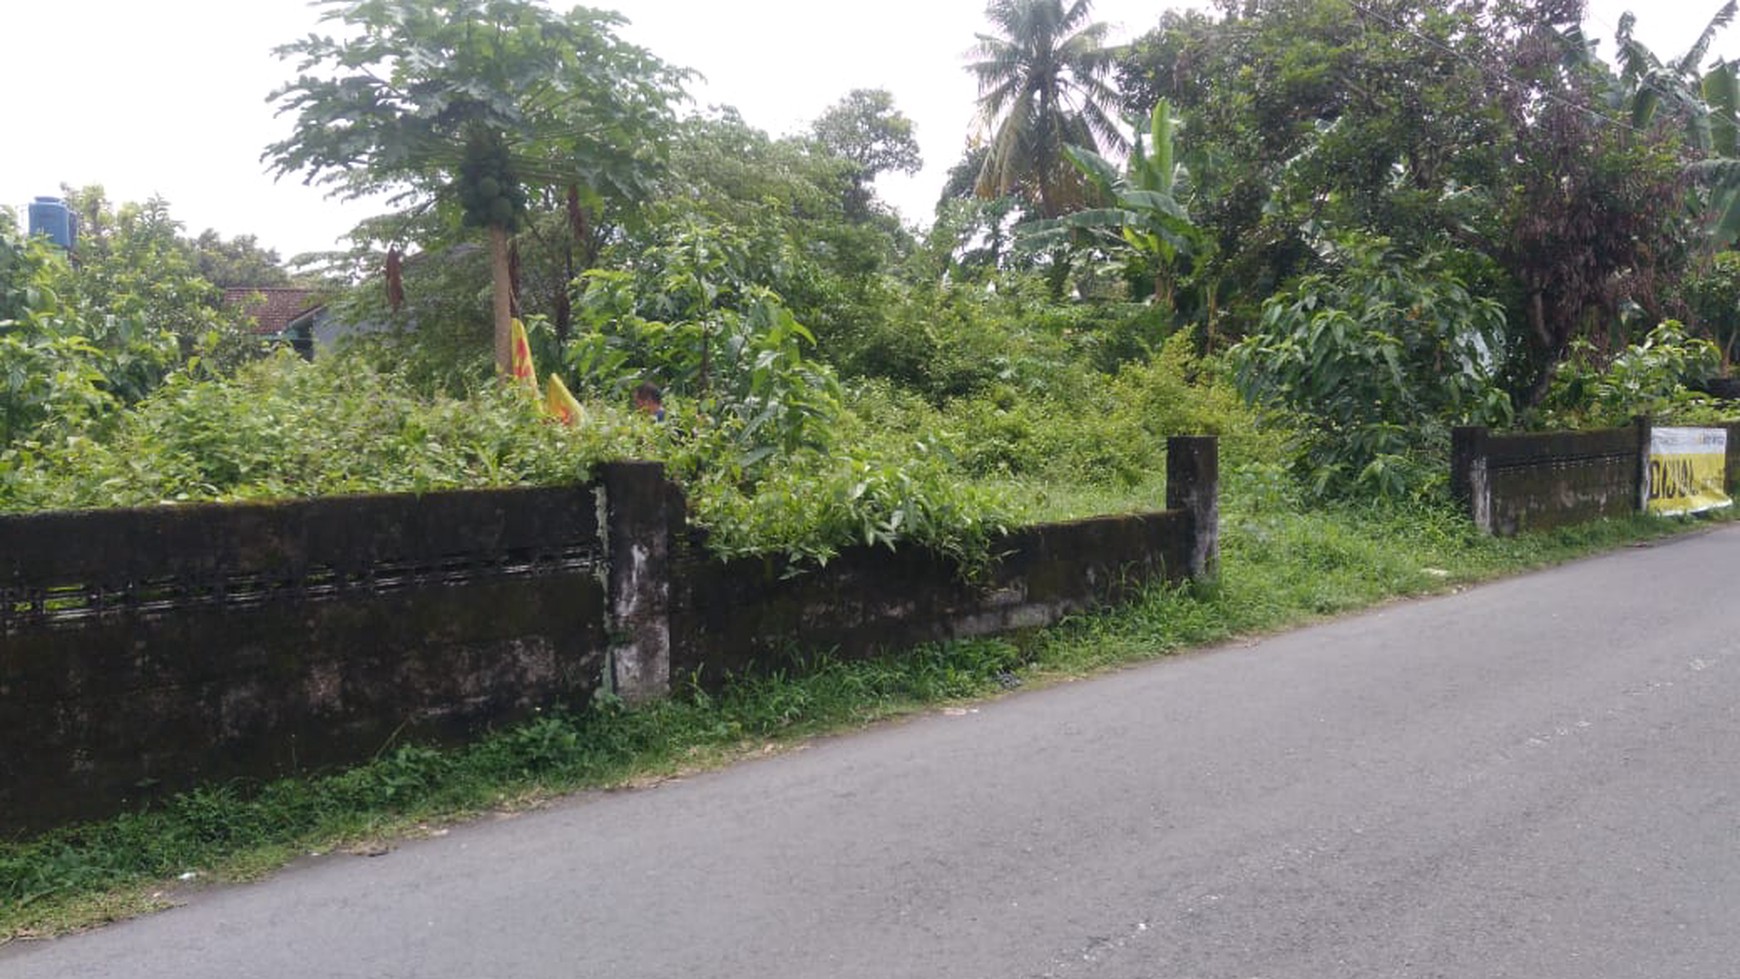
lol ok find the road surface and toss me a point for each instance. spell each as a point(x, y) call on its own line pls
point(1536, 778)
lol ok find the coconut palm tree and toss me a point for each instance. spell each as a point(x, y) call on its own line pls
point(1043, 85)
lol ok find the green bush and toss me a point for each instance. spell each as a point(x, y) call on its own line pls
point(286, 428)
point(1714, 297)
point(813, 503)
point(1652, 377)
point(1380, 358)
point(951, 341)
point(1096, 429)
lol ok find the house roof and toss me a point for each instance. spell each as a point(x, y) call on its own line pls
point(274, 309)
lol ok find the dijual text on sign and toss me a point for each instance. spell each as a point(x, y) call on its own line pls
point(1687, 470)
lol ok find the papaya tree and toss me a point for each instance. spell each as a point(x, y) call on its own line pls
point(468, 105)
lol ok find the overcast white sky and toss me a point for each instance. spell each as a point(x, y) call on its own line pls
point(168, 97)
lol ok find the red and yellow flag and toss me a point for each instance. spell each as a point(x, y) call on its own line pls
point(522, 367)
point(560, 404)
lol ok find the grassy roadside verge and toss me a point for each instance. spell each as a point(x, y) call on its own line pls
point(1280, 568)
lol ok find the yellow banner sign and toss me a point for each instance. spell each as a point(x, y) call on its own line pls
point(1688, 470)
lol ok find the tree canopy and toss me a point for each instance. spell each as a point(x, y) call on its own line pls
point(1043, 85)
point(465, 104)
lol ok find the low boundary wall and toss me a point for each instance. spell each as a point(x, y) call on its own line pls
point(143, 652)
point(146, 651)
point(751, 613)
point(1515, 483)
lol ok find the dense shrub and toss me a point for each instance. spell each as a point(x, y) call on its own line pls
point(690, 315)
point(1653, 377)
point(1380, 358)
point(285, 428)
point(815, 502)
point(1096, 429)
point(951, 341)
point(1714, 297)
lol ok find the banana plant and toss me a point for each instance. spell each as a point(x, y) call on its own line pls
point(1141, 218)
point(1706, 101)
point(1719, 174)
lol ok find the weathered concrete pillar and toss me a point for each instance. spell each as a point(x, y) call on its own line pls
point(1193, 485)
point(1468, 478)
point(637, 528)
point(1733, 458)
point(1643, 426)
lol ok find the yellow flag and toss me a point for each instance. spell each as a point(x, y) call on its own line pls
point(522, 369)
point(560, 405)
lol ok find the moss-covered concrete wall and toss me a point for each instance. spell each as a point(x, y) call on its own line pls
point(146, 651)
point(1517, 483)
point(755, 613)
point(143, 652)
point(750, 613)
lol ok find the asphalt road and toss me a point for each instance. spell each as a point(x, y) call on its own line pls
point(1536, 778)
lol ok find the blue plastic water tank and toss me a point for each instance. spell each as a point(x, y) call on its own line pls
point(50, 216)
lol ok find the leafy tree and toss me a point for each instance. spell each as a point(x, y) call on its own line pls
point(1318, 114)
point(1175, 61)
point(468, 105)
point(79, 341)
point(1650, 93)
point(1475, 128)
point(791, 206)
point(1646, 89)
point(1043, 85)
point(238, 262)
point(693, 315)
point(971, 234)
point(1594, 219)
point(134, 265)
point(47, 370)
point(866, 130)
point(1381, 356)
point(1593, 225)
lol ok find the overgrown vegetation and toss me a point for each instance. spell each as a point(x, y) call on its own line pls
point(1343, 229)
point(1383, 356)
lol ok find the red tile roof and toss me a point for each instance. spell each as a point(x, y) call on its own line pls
point(274, 309)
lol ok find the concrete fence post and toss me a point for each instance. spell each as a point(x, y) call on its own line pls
point(1193, 485)
point(1468, 474)
point(1643, 426)
point(1733, 458)
point(635, 503)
